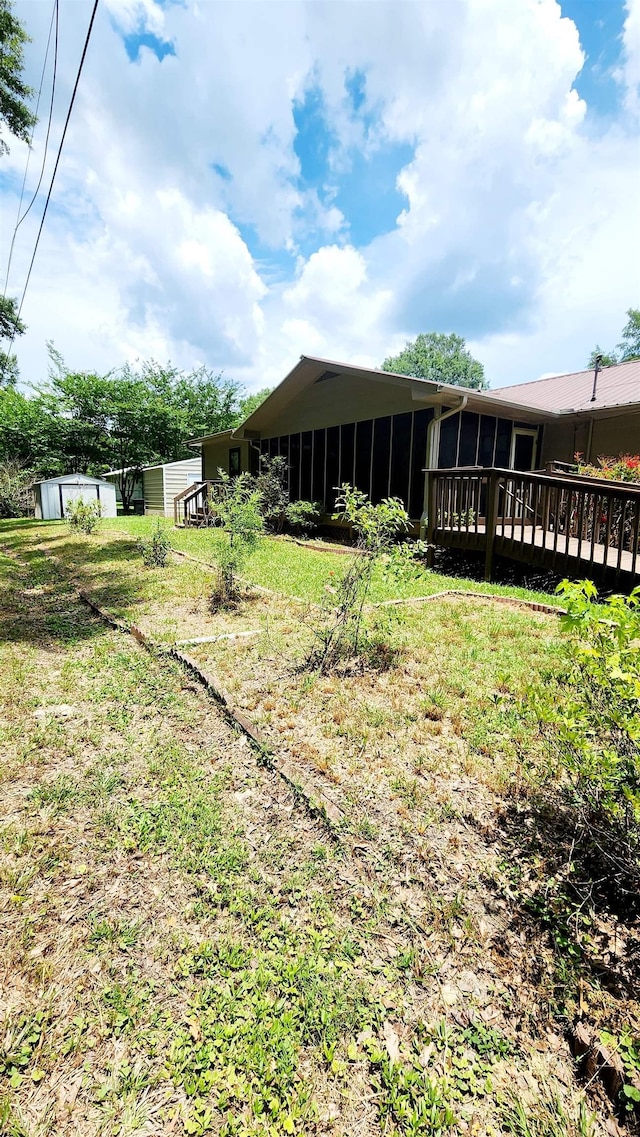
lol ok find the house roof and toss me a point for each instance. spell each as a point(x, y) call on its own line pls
point(313, 369)
point(617, 386)
point(72, 480)
point(545, 400)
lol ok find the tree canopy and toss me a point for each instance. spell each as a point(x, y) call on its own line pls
point(440, 358)
point(131, 418)
point(15, 114)
point(627, 349)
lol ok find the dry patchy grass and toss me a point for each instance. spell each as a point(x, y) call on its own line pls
point(185, 949)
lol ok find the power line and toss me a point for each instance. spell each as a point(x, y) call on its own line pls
point(55, 168)
point(19, 219)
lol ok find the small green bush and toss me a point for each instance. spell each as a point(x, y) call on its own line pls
point(377, 528)
point(235, 503)
point(156, 549)
point(273, 495)
point(303, 516)
point(591, 726)
point(83, 516)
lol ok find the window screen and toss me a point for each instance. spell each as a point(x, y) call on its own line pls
point(364, 435)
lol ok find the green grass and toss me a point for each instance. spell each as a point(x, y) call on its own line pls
point(183, 936)
point(286, 567)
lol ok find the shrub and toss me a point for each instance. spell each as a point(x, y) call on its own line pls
point(376, 528)
point(83, 516)
point(16, 497)
point(592, 728)
point(236, 505)
point(156, 549)
point(303, 516)
point(273, 494)
point(625, 468)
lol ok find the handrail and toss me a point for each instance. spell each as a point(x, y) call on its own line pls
point(552, 520)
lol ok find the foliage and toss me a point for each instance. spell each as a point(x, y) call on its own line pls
point(630, 343)
point(236, 505)
point(16, 497)
point(250, 403)
point(376, 528)
point(10, 326)
point(440, 358)
point(271, 486)
point(629, 346)
point(14, 112)
point(625, 468)
point(628, 1048)
point(125, 420)
point(592, 726)
point(546, 1117)
point(83, 516)
point(607, 358)
point(156, 548)
point(303, 516)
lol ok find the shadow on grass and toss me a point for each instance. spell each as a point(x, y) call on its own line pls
point(39, 603)
point(581, 884)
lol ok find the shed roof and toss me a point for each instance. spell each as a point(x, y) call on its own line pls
point(569, 394)
point(72, 480)
point(155, 466)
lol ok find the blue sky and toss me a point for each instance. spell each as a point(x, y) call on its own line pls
point(246, 182)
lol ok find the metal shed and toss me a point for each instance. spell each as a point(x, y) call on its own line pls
point(53, 495)
point(161, 483)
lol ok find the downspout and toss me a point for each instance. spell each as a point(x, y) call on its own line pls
point(431, 426)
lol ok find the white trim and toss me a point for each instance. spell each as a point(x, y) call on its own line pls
point(531, 433)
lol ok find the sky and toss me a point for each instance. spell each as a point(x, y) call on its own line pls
point(246, 181)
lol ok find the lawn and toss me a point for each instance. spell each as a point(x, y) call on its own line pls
point(186, 947)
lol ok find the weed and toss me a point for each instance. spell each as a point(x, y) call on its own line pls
point(83, 516)
point(547, 1117)
point(156, 549)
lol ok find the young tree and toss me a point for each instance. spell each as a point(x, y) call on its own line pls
point(14, 112)
point(235, 503)
point(440, 358)
point(377, 528)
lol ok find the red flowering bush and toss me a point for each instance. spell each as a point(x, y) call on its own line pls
point(625, 468)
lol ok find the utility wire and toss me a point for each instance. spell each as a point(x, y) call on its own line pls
point(55, 168)
point(19, 219)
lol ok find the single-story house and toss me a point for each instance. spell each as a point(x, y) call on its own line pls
point(160, 484)
point(53, 495)
point(337, 423)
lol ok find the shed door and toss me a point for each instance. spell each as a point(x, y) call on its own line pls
point(74, 493)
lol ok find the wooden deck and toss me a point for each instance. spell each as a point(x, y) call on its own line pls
point(581, 527)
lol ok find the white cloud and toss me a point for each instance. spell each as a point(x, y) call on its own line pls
point(518, 228)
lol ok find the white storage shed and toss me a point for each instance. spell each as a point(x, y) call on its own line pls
point(160, 484)
point(54, 494)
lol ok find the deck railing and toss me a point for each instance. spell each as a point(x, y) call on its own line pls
point(567, 523)
point(193, 505)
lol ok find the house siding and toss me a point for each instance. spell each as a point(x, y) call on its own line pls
point(215, 455)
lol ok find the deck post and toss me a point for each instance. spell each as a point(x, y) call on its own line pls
point(493, 490)
point(428, 520)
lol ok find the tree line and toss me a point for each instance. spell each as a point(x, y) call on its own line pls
point(133, 417)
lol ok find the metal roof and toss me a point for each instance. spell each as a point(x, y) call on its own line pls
point(73, 480)
point(566, 394)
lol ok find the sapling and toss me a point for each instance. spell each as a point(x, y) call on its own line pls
point(236, 507)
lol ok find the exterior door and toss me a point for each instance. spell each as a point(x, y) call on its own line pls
point(523, 449)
